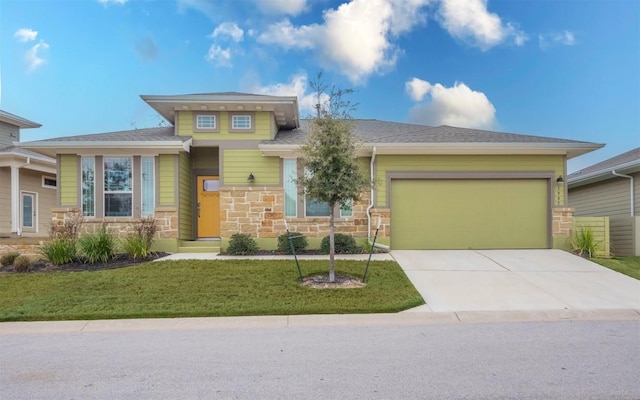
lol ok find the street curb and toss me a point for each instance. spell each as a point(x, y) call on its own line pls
point(314, 321)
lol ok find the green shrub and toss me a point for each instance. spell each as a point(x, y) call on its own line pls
point(344, 244)
point(98, 247)
point(59, 251)
point(584, 242)
point(242, 245)
point(8, 258)
point(299, 242)
point(22, 263)
point(138, 244)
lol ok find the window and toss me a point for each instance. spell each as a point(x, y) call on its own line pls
point(147, 186)
point(117, 186)
point(347, 211)
point(206, 122)
point(49, 182)
point(241, 122)
point(88, 187)
point(315, 208)
point(290, 189)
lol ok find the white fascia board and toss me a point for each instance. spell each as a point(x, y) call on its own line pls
point(604, 174)
point(100, 147)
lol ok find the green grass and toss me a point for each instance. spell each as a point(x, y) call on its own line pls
point(626, 265)
point(201, 288)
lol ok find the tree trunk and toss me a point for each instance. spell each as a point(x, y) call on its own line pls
point(332, 244)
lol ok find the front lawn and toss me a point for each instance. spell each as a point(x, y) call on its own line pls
point(626, 265)
point(206, 288)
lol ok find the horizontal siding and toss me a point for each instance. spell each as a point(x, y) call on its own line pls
point(238, 164)
point(8, 134)
point(434, 163)
point(68, 180)
point(600, 228)
point(610, 198)
point(624, 236)
point(186, 200)
point(5, 200)
point(31, 181)
point(166, 180)
point(262, 121)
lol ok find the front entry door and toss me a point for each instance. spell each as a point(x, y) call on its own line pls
point(208, 206)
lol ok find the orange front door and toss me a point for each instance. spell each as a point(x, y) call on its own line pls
point(208, 206)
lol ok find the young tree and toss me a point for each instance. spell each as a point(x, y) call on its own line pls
point(329, 157)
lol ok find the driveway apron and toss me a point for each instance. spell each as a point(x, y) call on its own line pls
point(493, 280)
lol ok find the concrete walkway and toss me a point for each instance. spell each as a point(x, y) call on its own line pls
point(504, 280)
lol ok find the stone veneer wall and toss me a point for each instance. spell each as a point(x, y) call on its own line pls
point(562, 221)
point(259, 212)
point(166, 220)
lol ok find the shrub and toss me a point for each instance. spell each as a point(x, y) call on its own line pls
point(21, 264)
point(70, 229)
point(584, 242)
point(98, 247)
point(8, 258)
point(138, 243)
point(59, 251)
point(242, 245)
point(344, 244)
point(299, 242)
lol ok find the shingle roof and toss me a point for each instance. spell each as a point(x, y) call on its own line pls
point(17, 121)
point(375, 131)
point(25, 153)
point(611, 163)
point(136, 135)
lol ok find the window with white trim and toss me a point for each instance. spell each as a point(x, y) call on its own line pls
point(290, 189)
point(241, 121)
point(49, 182)
point(206, 121)
point(147, 187)
point(88, 187)
point(118, 186)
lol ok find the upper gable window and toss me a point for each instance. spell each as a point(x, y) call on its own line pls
point(241, 122)
point(206, 122)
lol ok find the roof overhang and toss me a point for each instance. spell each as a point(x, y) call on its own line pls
point(32, 162)
point(20, 122)
point(604, 174)
point(284, 108)
point(52, 148)
point(569, 150)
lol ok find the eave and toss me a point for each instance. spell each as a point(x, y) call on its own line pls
point(604, 174)
point(52, 148)
point(15, 120)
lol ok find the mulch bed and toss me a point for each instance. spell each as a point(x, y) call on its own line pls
point(341, 282)
point(119, 261)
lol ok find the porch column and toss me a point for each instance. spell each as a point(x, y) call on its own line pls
point(15, 199)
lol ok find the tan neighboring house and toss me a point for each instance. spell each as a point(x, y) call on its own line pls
point(611, 188)
point(27, 182)
point(228, 164)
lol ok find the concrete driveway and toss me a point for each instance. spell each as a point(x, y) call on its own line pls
point(492, 280)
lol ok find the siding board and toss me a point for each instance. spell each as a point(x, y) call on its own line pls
point(5, 200)
point(166, 180)
point(185, 197)
point(262, 123)
point(238, 164)
point(68, 179)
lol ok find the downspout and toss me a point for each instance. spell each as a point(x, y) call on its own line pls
point(15, 197)
point(631, 197)
point(373, 160)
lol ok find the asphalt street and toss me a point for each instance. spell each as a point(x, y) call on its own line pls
point(515, 360)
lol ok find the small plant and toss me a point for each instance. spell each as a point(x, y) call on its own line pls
point(70, 228)
point(98, 247)
point(21, 263)
point(59, 251)
point(138, 243)
point(584, 242)
point(299, 242)
point(344, 244)
point(242, 245)
point(8, 258)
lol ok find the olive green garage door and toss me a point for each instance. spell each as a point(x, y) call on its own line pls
point(470, 214)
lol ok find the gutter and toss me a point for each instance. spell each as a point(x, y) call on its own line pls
point(631, 196)
point(370, 206)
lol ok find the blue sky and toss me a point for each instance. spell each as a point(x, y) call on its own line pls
point(567, 69)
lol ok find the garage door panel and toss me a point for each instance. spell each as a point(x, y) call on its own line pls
point(462, 214)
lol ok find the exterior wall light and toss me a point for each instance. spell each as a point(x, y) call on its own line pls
point(251, 178)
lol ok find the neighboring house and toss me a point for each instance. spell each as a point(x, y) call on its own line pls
point(27, 182)
point(611, 188)
point(228, 164)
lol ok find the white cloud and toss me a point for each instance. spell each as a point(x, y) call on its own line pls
point(471, 22)
point(33, 58)
point(297, 86)
point(219, 56)
point(282, 7)
point(355, 39)
point(229, 29)
point(106, 2)
point(25, 35)
point(455, 106)
point(564, 38)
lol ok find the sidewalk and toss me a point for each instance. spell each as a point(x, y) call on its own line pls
point(217, 256)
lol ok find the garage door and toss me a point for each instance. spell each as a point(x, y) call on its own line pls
point(469, 214)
